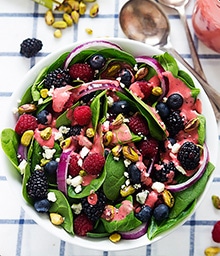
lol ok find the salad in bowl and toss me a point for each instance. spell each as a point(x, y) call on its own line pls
point(109, 143)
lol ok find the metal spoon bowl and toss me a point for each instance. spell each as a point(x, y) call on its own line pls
point(144, 20)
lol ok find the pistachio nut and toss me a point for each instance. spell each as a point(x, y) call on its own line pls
point(216, 201)
point(168, 198)
point(192, 125)
point(116, 151)
point(212, 251)
point(57, 33)
point(60, 24)
point(130, 153)
point(74, 4)
point(89, 31)
point(46, 133)
point(90, 132)
point(44, 93)
point(65, 143)
point(127, 190)
point(118, 120)
point(49, 18)
point(115, 237)
point(75, 16)
point(82, 8)
point(27, 137)
point(141, 73)
point(157, 91)
point(56, 219)
point(107, 138)
point(27, 108)
point(94, 10)
point(67, 18)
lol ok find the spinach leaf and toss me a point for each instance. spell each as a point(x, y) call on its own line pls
point(186, 78)
point(27, 97)
point(114, 177)
point(58, 63)
point(98, 232)
point(156, 130)
point(94, 185)
point(95, 108)
point(187, 196)
point(155, 229)
point(128, 223)
point(10, 142)
point(168, 63)
point(82, 56)
point(36, 155)
point(201, 129)
point(61, 206)
point(26, 176)
point(34, 88)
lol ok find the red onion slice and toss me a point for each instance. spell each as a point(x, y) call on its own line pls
point(195, 177)
point(62, 171)
point(22, 153)
point(84, 46)
point(135, 233)
point(158, 68)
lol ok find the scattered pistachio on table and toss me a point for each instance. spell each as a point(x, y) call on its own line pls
point(216, 201)
point(72, 11)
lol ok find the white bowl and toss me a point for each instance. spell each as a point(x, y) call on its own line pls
point(14, 179)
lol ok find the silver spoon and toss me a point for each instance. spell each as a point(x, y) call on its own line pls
point(144, 20)
point(179, 6)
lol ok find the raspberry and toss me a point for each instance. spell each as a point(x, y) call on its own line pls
point(148, 147)
point(216, 232)
point(82, 115)
point(24, 123)
point(74, 167)
point(81, 71)
point(57, 78)
point(93, 205)
point(94, 163)
point(189, 155)
point(30, 47)
point(82, 224)
point(37, 185)
point(138, 125)
point(145, 88)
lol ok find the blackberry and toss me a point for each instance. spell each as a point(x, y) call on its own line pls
point(73, 131)
point(174, 123)
point(189, 155)
point(166, 173)
point(57, 78)
point(30, 47)
point(37, 185)
point(93, 205)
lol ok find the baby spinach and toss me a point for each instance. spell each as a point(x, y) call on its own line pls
point(185, 197)
point(114, 177)
point(36, 155)
point(201, 129)
point(94, 185)
point(26, 176)
point(128, 223)
point(98, 232)
point(95, 108)
point(10, 142)
point(156, 130)
point(58, 63)
point(168, 63)
point(155, 229)
point(62, 207)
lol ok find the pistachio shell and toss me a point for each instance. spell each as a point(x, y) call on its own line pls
point(27, 137)
point(56, 219)
point(130, 153)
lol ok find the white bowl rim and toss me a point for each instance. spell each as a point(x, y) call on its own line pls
point(104, 244)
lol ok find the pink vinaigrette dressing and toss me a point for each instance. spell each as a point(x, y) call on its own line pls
point(206, 22)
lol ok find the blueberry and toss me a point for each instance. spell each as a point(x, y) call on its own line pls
point(163, 110)
point(161, 212)
point(97, 61)
point(42, 117)
point(51, 167)
point(42, 205)
point(175, 101)
point(126, 77)
point(134, 174)
point(118, 107)
point(145, 213)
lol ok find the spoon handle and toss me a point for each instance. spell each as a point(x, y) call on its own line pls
point(213, 94)
point(194, 55)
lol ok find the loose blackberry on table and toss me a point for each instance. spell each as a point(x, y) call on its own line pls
point(30, 47)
